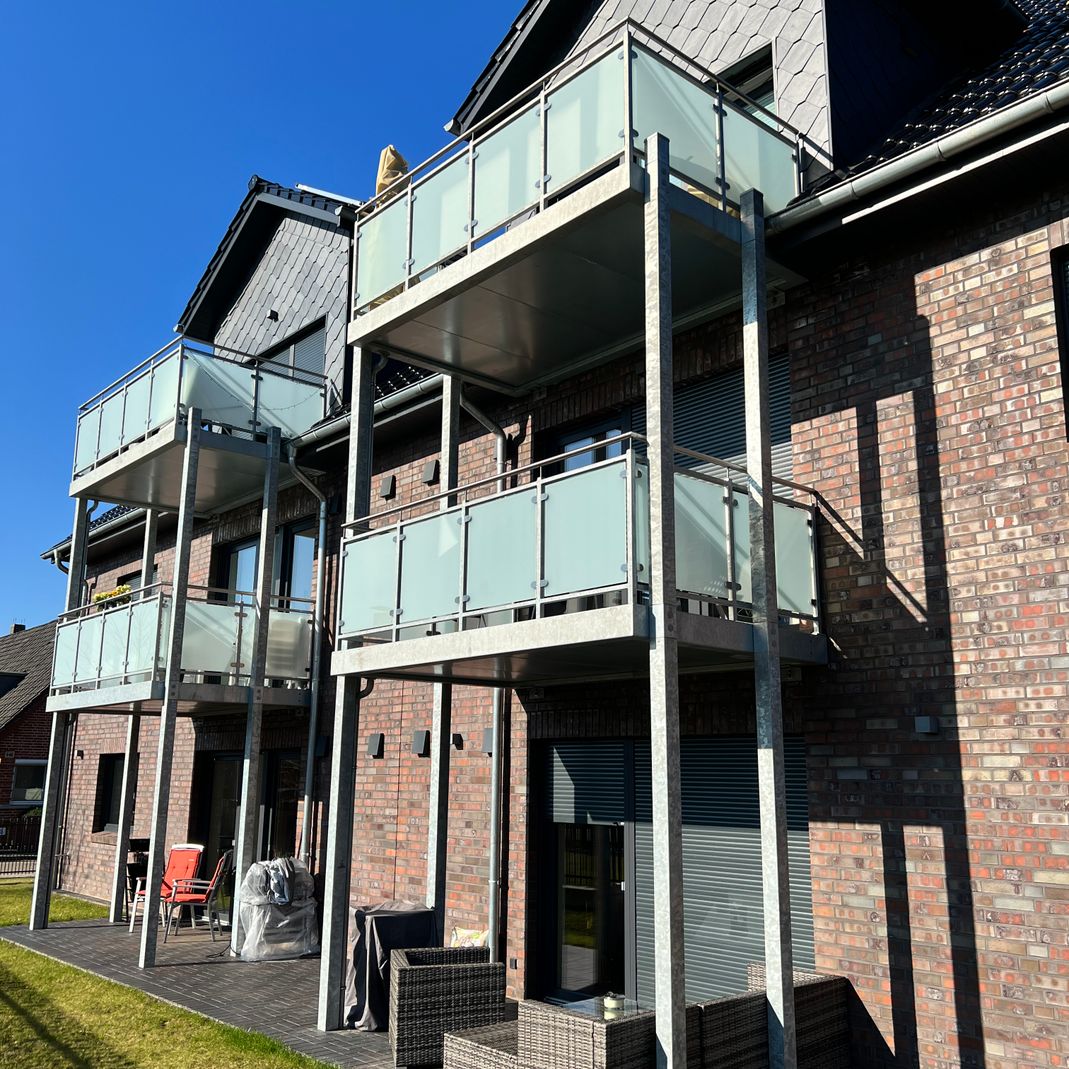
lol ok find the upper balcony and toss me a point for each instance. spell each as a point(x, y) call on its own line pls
point(547, 580)
point(131, 436)
point(516, 256)
point(114, 655)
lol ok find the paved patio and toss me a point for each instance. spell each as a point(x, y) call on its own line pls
point(277, 998)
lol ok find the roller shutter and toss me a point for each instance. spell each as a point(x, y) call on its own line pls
point(587, 782)
point(309, 353)
point(710, 416)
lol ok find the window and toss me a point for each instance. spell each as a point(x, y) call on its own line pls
point(304, 351)
point(1060, 267)
point(109, 792)
point(588, 436)
point(295, 556)
point(753, 78)
point(133, 579)
point(28, 782)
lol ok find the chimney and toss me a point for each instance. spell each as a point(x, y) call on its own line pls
point(16, 628)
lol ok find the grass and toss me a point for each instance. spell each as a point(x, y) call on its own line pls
point(15, 905)
point(53, 1016)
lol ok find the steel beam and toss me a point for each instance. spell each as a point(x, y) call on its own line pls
point(148, 552)
point(669, 968)
point(59, 740)
point(126, 819)
point(168, 714)
point(442, 695)
point(779, 968)
point(247, 847)
point(338, 855)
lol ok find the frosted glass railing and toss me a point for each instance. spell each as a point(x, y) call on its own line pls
point(111, 645)
point(236, 393)
point(554, 136)
point(550, 540)
point(564, 540)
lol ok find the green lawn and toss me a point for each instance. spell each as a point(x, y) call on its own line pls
point(53, 1016)
point(15, 905)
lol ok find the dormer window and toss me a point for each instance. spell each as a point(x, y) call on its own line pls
point(752, 76)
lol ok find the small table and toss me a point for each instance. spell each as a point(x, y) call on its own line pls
point(373, 932)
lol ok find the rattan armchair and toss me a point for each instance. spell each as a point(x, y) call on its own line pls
point(438, 990)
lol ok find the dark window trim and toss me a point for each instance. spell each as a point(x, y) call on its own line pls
point(110, 768)
point(1060, 276)
point(28, 762)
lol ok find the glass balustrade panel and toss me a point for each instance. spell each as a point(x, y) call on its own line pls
point(585, 531)
point(585, 121)
point(223, 391)
point(430, 568)
point(382, 250)
point(794, 559)
point(289, 644)
point(85, 446)
point(144, 639)
point(164, 401)
point(87, 668)
point(111, 414)
point(369, 583)
point(135, 418)
point(755, 158)
point(508, 164)
point(210, 640)
point(701, 537)
point(290, 405)
point(66, 644)
point(116, 631)
point(440, 214)
point(502, 564)
point(741, 547)
point(666, 102)
point(642, 521)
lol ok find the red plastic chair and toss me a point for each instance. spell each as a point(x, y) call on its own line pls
point(182, 864)
point(191, 893)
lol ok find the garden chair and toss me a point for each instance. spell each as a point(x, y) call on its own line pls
point(193, 893)
point(182, 864)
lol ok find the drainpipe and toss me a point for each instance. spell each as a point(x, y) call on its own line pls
point(317, 652)
point(494, 861)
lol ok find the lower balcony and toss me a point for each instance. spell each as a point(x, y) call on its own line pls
point(113, 656)
point(547, 581)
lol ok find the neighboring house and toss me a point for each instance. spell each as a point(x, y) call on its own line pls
point(913, 407)
point(25, 675)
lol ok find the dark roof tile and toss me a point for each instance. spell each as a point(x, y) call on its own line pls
point(28, 654)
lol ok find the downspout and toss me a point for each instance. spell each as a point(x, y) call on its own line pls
point(493, 878)
point(317, 656)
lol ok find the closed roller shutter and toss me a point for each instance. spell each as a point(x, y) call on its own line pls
point(710, 417)
point(587, 782)
point(309, 354)
point(723, 924)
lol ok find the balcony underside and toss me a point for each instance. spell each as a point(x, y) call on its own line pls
point(563, 290)
point(608, 643)
point(194, 699)
point(148, 473)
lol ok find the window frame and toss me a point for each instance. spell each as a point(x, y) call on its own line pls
point(110, 797)
point(1059, 264)
point(28, 762)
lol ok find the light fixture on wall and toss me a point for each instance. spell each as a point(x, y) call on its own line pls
point(376, 745)
point(421, 743)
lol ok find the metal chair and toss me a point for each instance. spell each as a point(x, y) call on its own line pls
point(182, 864)
point(192, 893)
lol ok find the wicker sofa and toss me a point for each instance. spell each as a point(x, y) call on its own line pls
point(438, 990)
point(724, 1033)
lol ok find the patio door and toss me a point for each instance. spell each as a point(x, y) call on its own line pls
point(215, 814)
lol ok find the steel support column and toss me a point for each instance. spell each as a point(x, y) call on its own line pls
point(59, 740)
point(442, 697)
point(338, 855)
point(169, 712)
point(126, 819)
point(779, 969)
point(664, 664)
point(247, 847)
point(148, 552)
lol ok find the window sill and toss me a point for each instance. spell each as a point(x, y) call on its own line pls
point(107, 838)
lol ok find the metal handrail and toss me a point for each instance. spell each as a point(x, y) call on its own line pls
point(479, 129)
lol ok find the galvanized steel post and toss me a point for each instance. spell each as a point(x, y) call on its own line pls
point(338, 855)
point(126, 818)
point(779, 968)
point(169, 711)
point(247, 847)
point(664, 667)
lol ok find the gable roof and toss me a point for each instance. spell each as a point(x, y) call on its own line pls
point(27, 654)
point(248, 234)
point(1037, 59)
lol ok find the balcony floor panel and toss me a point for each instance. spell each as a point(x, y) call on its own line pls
point(601, 644)
point(194, 699)
point(149, 473)
point(562, 291)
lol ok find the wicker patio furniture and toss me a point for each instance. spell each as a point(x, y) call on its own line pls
point(555, 1037)
point(438, 990)
point(494, 1046)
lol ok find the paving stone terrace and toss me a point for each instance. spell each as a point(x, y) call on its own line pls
point(277, 998)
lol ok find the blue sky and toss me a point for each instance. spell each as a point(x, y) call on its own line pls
point(128, 133)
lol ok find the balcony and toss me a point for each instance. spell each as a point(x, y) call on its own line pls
point(113, 656)
point(516, 257)
point(130, 437)
point(548, 580)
